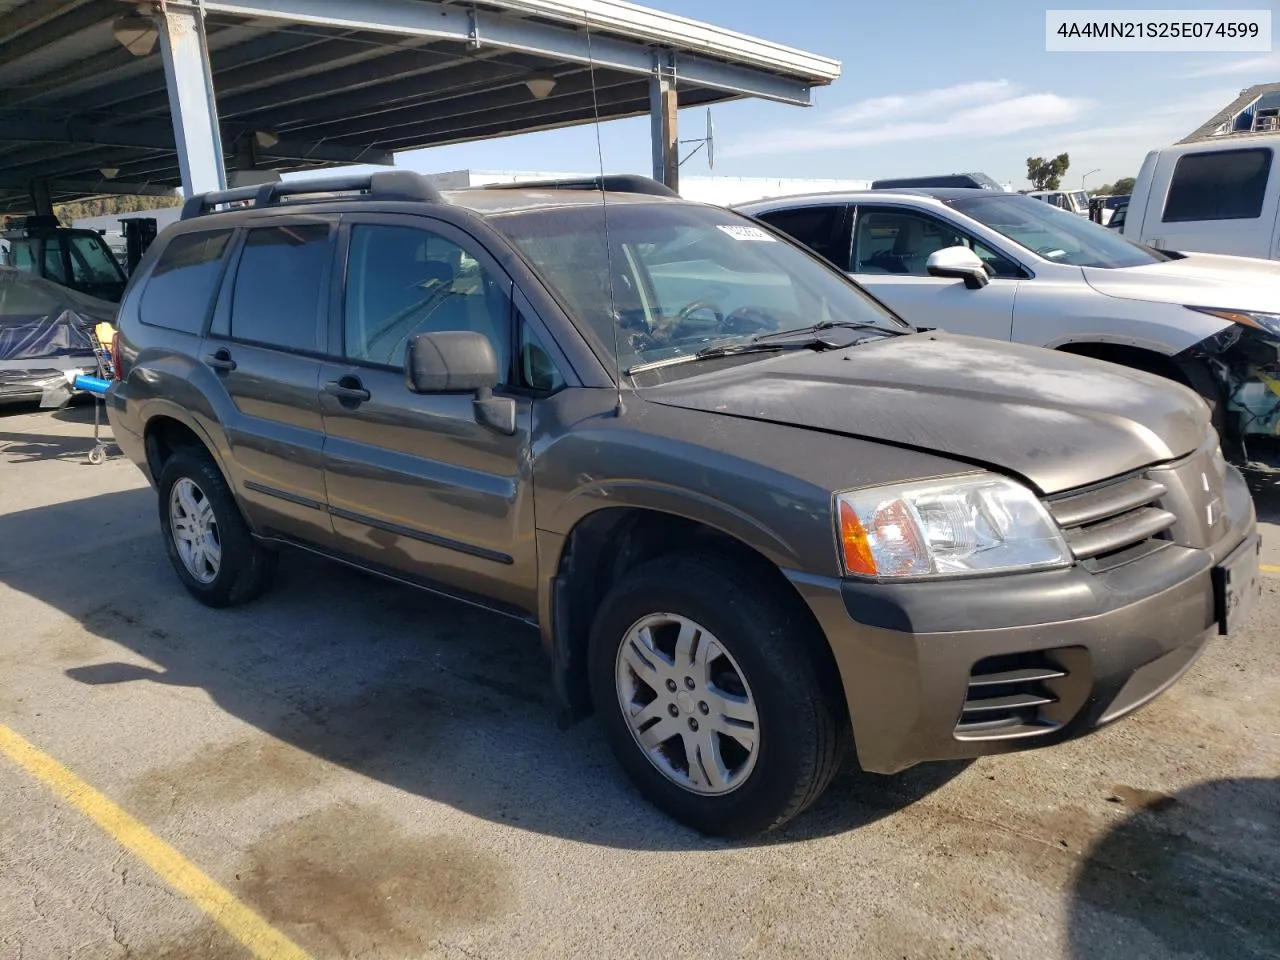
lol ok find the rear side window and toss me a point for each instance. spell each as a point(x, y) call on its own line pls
point(1223, 185)
point(276, 299)
point(818, 228)
point(178, 292)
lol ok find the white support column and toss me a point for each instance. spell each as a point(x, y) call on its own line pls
point(662, 120)
point(191, 99)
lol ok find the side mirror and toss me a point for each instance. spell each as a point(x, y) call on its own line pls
point(958, 263)
point(456, 361)
point(460, 361)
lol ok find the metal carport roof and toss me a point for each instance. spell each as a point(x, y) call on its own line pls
point(312, 83)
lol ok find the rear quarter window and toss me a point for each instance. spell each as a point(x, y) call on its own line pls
point(1222, 185)
point(179, 292)
point(818, 228)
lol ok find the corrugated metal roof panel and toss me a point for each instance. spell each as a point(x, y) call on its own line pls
point(351, 81)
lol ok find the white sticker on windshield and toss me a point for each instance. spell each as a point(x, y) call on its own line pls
point(745, 232)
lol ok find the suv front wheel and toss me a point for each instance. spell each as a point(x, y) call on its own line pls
point(207, 539)
point(705, 681)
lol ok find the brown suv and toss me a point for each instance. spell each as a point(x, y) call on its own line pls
point(752, 512)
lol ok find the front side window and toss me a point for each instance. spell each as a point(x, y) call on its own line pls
point(1223, 185)
point(673, 278)
point(898, 242)
point(92, 267)
point(537, 370)
point(54, 268)
point(818, 228)
point(278, 286)
point(1054, 234)
point(180, 288)
point(405, 281)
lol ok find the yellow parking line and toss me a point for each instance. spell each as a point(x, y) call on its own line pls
point(1268, 568)
point(262, 940)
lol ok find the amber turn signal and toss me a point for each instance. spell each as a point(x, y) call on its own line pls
point(853, 540)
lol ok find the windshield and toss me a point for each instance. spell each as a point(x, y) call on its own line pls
point(1056, 234)
point(683, 277)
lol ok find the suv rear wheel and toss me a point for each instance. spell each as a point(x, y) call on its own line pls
point(705, 681)
point(207, 540)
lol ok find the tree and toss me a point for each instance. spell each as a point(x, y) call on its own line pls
point(1047, 174)
point(67, 213)
point(1122, 187)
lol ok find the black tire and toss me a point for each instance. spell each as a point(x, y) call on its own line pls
point(246, 568)
point(803, 724)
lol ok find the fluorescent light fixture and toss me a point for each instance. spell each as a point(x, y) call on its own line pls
point(136, 33)
point(540, 84)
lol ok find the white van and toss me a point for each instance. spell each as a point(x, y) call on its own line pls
point(1210, 196)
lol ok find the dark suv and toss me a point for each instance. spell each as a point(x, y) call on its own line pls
point(752, 512)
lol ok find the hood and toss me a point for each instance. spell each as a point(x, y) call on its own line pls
point(1057, 420)
point(1198, 280)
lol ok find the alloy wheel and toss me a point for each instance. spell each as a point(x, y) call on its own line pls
point(687, 704)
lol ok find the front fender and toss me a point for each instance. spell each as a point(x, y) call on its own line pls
point(681, 502)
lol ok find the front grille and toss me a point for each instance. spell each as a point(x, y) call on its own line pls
point(1013, 695)
point(1114, 522)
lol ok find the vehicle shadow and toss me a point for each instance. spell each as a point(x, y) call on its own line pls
point(425, 694)
point(1193, 874)
point(20, 447)
point(1267, 503)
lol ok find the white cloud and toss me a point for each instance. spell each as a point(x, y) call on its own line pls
point(885, 108)
point(997, 109)
point(1118, 147)
point(1266, 63)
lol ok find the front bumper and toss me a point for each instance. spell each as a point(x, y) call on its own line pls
point(40, 384)
point(917, 660)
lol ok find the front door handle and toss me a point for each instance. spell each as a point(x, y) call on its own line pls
point(348, 388)
point(221, 360)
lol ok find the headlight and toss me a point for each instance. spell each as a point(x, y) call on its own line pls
point(980, 524)
point(1268, 322)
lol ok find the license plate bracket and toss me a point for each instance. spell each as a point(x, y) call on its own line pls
point(1237, 584)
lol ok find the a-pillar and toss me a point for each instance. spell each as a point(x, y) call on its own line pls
point(191, 100)
point(662, 120)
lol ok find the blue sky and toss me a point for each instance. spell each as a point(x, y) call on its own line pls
point(927, 86)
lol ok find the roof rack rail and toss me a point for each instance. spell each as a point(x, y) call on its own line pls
point(402, 185)
point(614, 183)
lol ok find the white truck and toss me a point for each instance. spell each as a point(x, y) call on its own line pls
point(1220, 195)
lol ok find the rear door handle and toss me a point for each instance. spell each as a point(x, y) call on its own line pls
point(348, 388)
point(221, 360)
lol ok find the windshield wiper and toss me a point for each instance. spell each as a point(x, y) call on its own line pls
point(762, 342)
point(828, 325)
point(722, 350)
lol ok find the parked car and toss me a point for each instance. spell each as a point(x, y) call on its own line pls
point(1073, 201)
point(1103, 208)
point(1210, 196)
point(978, 181)
point(1118, 216)
point(1006, 266)
point(79, 259)
point(752, 512)
point(46, 332)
